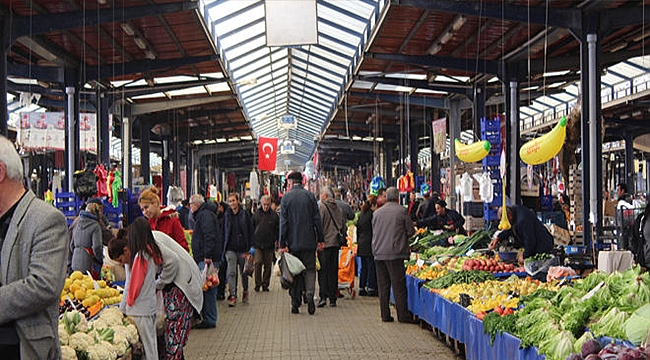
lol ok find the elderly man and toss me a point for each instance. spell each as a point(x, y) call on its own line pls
point(391, 228)
point(33, 259)
point(301, 233)
point(207, 244)
point(267, 227)
point(333, 222)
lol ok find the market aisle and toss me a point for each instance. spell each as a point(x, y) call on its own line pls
point(266, 329)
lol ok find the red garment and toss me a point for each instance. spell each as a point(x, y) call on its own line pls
point(170, 225)
point(138, 273)
point(102, 185)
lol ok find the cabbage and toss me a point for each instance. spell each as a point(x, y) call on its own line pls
point(557, 347)
point(577, 347)
point(612, 324)
point(638, 325)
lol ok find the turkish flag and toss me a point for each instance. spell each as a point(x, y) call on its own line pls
point(267, 149)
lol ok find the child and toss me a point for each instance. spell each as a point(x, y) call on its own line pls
point(142, 259)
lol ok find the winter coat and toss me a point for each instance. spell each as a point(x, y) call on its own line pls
point(207, 238)
point(86, 239)
point(170, 225)
point(267, 229)
point(348, 213)
point(528, 232)
point(333, 222)
point(364, 234)
point(238, 231)
point(391, 228)
point(300, 222)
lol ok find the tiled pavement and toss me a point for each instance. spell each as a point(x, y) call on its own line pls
point(265, 329)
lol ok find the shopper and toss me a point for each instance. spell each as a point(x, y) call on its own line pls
point(180, 283)
point(444, 219)
point(381, 197)
point(368, 274)
point(86, 248)
point(392, 227)
point(301, 233)
point(267, 228)
point(162, 219)
point(142, 259)
point(528, 232)
point(207, 245)
point(222, 206)
point(333, 223)
point(238, 240)
point(348, 213)
point(414, 204)
point(184, 213)
point(33, 254)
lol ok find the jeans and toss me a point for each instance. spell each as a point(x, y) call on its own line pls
point(236, 261)
point(368, 275)
point(209, 311)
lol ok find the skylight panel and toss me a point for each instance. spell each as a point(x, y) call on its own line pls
point(337, 33)
point(174, 79)
point(247, 32)
point(346, 49)
point(246, 46)
point(398, 88)
point(220, 87)
point(359, 84)
point(329, 55)
point(340, 18)
point(257, 65)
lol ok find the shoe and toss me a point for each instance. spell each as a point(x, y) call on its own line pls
point(409, 320)
point(373, 293)
point(294, 310)
point(257, 289)
point(203, 325)
point(332, 303)
point(311, 307)
point(244, 297)
point(231, 301)
point(390, 319)
point(265, 288)
point(322, 303)
point(363, 292)
point(221, 297)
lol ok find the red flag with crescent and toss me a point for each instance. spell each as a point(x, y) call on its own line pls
point(267, 150)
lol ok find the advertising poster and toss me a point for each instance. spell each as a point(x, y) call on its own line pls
point(439, 135)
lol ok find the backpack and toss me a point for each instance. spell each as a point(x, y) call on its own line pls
point(639, 245)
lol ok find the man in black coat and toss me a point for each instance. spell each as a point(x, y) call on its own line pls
point(266, 223)
point(207, 244)
point(301, 233)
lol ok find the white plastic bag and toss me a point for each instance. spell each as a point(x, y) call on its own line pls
point(161, 315)
point(294, 264)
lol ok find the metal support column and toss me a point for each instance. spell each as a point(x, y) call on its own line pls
point(189, 172)
point(584, 145)
point(103, 130)
point(4, 115)
point(72, 138)
point(165, 168)
point(628, 136)
point(454, 132)
point(125, 113)
point(414, 147)
point(435, 158)
point(513, 143)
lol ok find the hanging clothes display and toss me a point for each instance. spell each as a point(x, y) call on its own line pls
point(254, 186)
point(231, 179)
point(56, 183)
point(109, 184)
point(485, 187)
point(115, 187)
point(466, 187)
point(212, 192)
point(175, 196)
point(101, 173)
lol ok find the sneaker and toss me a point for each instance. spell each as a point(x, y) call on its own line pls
point(244, 297)
point(332, 303)
point(231, 301)
point(294, 310)
point(322, 303)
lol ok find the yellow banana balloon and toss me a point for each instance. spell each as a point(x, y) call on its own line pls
point(473, 152)
point(545, 147)
point(504, 224)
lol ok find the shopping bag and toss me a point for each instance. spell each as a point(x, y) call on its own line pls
point(294, 264)
point(210, 276)
point(286, 277)
point(161, 314)
point(249, 264)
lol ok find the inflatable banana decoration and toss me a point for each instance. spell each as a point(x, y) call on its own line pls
point(473, 152)
point(504, 224)
point(545, 147)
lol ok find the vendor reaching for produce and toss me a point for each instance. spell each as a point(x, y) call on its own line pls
point(527, 231)
point(444, 219)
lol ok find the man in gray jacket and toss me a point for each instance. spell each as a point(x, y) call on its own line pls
point(33, 260)
point(391, 228)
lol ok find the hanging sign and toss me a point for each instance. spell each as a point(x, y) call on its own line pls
point(439, 135)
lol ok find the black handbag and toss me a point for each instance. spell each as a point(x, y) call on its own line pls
point(343, 239)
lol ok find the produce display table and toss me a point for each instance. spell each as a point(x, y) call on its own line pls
point(461, 325)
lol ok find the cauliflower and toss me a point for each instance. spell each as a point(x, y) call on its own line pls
point(101, 351)
point(98, 323)
point(120, 343)
point(131, 334)
point(64, 337)
point(81, 341)
point(75, 321)
point(68, 353)
point(111, 316)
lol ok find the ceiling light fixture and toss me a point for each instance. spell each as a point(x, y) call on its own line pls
point(140, 42)
point(128, 29)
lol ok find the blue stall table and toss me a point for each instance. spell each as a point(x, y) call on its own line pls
point(414, 301)
point(505, 346)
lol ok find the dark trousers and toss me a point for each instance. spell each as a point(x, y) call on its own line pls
point(304, 282)
point(10, 352)
point(328, 276)
point(392, 273)
point(368, 274)
point(263, 259)
point(223, 280)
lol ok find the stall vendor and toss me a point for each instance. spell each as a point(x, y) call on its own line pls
point(528, 232)
point(444, 219)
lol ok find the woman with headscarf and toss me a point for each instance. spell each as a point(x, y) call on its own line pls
point(162, 219)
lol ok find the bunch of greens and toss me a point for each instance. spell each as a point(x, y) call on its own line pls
point(612, 324)
point(460, 277)
point(558, 346)
point(494, 324)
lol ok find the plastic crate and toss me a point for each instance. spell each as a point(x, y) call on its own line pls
point(493, 137)
point(497, 200)
point(490, 124)
point(490, 213)
point(491, 160)
point(575, 249)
